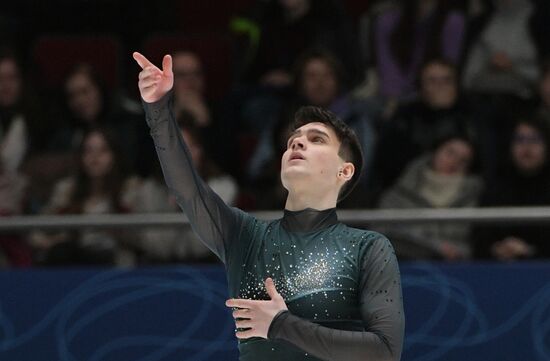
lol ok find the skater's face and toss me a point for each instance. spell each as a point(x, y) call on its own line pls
point(312, 155)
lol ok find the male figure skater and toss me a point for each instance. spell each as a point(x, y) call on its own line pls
point(304, 287)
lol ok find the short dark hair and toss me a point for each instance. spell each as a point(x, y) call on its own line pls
point(350, 148)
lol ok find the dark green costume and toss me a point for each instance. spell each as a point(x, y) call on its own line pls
point(341, 284)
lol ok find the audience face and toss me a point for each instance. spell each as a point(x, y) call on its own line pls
point(188, 74)
point(319, 83)
point(10, 83)
point(438, 86)
point(97, 156)
point(453, 157)
point(83, 97)
point(528, 149)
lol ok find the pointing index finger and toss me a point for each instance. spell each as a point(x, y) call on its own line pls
point(141, 60)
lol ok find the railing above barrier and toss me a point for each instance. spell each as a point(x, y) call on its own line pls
point(353, 217)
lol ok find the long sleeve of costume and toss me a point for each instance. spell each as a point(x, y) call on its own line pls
point(214, 222)
point(381, 310)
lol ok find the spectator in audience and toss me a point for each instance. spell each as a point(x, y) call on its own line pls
point(99, 186)
point(319, 82)
point(13, 188)
point(16, 120)
point(177, 245)
point(439, 112)
point(223, 184)
point(267, 190)
point(14, 131)
point(503, 57)
point(525, 181)
point(190, 87)
point(276, 32)
point(408, 35)
point(286, 27)
point(190, 97)
point(90, 105)
point(439, 179)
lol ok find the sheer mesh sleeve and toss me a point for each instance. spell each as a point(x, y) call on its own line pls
point(214, 222)
point(381, 309)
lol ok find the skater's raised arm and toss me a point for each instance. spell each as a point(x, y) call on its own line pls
point(216, 223)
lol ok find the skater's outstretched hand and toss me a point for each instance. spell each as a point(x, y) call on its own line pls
point(153, 82)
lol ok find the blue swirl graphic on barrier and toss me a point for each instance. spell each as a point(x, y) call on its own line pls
point(5, 325)
point(187, 281)
point(103, 295)
point(541, 331)
point(11, 343)
point(156, 286)
point(455, 291)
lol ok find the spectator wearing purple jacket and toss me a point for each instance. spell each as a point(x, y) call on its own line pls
point(409, 34)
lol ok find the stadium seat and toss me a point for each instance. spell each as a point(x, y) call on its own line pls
point(55, 55)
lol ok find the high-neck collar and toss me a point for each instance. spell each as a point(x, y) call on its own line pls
point(308, 220)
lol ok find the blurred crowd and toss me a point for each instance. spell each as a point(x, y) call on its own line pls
point(450, 100)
